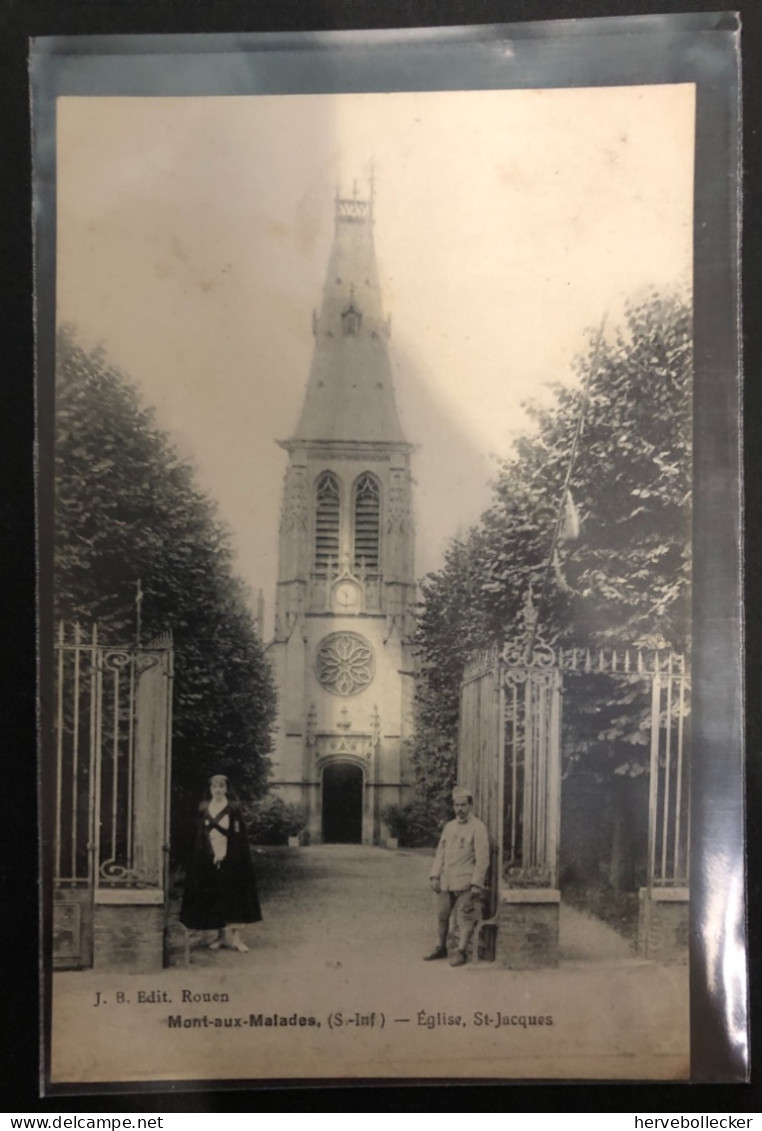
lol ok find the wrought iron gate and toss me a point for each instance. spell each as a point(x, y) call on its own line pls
point(481, 761)
point(510, 756)
point(112, 767)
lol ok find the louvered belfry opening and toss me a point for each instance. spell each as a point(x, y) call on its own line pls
point(326, 523)
point(367, 524)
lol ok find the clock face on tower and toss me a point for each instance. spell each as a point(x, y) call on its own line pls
point(346, 597)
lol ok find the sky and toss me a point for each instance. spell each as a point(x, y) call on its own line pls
point(193, 238)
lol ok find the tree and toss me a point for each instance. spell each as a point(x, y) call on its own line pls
point(127, 511)
point(624, 581)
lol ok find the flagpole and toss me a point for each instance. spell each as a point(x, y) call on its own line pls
point(138, 610)
point(565, 489)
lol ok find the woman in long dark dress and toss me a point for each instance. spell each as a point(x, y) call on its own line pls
point(220, 889)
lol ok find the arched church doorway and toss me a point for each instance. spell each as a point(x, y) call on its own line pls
point(342, 803)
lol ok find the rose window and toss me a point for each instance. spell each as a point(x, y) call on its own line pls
point(344, 663)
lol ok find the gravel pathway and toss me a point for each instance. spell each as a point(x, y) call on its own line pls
point(358, 907)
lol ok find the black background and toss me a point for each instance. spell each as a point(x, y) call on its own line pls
point(19, 1004)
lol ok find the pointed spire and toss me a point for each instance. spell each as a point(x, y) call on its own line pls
point(350, 395)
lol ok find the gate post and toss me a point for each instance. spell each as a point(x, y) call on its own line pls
point(510, 757)
point(131, 892)
point(112, 764)
point(529, 898)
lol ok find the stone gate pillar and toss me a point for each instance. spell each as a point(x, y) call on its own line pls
point(510, 757)
point(132, 794)
point(528, 896)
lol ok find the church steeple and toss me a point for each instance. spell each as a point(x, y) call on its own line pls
point(350, 394)
point(345, 602)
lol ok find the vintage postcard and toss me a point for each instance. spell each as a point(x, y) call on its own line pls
point(372, 416)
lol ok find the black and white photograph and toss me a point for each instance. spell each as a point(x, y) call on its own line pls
point(370, 739)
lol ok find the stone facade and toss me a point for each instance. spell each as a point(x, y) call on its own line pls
point(346, 583)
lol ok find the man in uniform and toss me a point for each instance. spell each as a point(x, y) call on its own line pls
point(459, 877)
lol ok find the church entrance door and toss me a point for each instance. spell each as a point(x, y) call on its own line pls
point(342, 804)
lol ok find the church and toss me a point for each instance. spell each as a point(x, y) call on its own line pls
point(344, 613)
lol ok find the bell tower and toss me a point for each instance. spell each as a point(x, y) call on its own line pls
point(346, 581)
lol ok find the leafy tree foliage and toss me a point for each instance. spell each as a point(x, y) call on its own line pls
point(271, 820)
point(625, 580)
point(415, 825)
point(127, 511)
